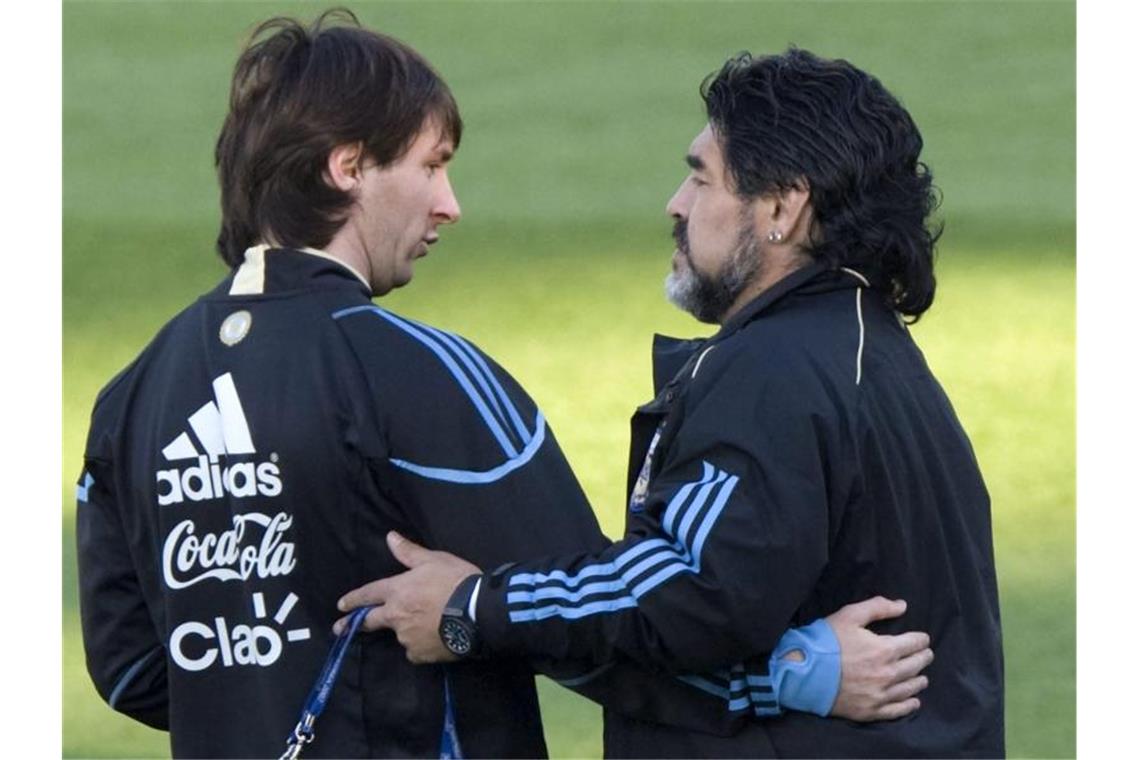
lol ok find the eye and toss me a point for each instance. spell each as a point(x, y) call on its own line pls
point(697, 181)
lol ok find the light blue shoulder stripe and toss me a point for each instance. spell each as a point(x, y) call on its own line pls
point(488, 395)
point(477, 477)
point(449, 362)
point(511, 410)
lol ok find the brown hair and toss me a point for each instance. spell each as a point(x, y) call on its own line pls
point(297, 94)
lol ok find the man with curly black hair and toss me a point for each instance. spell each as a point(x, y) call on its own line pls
point(801, 458)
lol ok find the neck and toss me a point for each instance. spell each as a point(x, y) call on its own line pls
point(349, 252)
point(770, 273)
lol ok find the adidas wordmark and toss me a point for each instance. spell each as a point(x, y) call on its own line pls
point(221, 428)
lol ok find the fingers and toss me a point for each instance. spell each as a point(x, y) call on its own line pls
point(906, 644)
point(907, 689)
point(869, 610)
point(909, 667)
point(375, 592)
point(376, 619)
point(896, 710)
point(408, 552)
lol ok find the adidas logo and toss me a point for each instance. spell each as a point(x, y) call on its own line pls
point(221, 429)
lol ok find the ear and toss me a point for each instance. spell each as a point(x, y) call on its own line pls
point(343, 169)
point(787, 212)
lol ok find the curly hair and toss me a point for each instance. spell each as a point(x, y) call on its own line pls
point(299, 92)
point(794, 120)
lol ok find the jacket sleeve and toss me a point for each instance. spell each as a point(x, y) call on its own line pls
point(125, 658)
point(492, 514)
point(734, 536)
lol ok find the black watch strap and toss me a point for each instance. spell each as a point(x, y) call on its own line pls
point(457, 629)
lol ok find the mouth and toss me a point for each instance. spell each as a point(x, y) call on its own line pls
point(428, 241)
point(680, 259)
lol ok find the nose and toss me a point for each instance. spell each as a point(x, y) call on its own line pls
point(447, 209)
point(678, 204)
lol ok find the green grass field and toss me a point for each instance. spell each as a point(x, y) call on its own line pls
point(577, 116)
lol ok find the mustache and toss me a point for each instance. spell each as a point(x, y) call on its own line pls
point(681, 236)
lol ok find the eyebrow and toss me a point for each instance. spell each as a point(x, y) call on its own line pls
point(443, 151)
point(695, 162)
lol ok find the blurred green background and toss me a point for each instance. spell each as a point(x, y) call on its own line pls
point(578, 115)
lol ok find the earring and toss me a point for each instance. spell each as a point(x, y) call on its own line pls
point(775, 236)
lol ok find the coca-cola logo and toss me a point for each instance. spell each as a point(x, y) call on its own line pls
point(253, 546)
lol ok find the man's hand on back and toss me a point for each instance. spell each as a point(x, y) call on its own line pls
point(411, 603)
point(880, 674)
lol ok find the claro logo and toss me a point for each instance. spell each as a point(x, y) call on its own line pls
point(221, 428)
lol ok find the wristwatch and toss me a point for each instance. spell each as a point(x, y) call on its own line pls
point(457, 629)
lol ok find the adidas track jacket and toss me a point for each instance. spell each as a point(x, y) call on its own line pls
point(241, 474)
point(801, 459)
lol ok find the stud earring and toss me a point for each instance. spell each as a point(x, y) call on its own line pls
point(775, 236)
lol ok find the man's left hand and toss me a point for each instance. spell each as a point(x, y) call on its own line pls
point(411, 603)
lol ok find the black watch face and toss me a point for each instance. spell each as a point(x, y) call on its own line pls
point(456, 637)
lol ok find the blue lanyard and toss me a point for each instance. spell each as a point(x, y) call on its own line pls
point(449, 748)
point(319, 696)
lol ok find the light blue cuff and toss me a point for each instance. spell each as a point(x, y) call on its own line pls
point(811, 685)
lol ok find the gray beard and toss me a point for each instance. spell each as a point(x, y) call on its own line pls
point(709, 297)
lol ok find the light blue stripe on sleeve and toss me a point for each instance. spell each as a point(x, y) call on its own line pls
point(612, 567)
point(692, 561)
point(126, 678)
point(698, 502)
point(608, 568)
point(555, 592)
point(735, 704)
point(714, 514)
point(571, 613)
point(668, 554)
point(676, 561)
point(682, 495)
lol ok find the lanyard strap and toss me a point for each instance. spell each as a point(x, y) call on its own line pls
point(319, 696)
point(449, 748)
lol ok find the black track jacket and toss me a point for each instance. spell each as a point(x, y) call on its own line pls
point(240, 476)
point(801, 459)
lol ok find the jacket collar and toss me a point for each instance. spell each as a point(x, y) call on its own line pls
point(268, 270)
point(807, 280)
point(671, 355)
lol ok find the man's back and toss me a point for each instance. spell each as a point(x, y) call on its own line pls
point(909, 517)
point(243, 473)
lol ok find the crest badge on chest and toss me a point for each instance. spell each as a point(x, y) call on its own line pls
point(641, 487)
